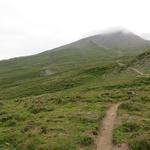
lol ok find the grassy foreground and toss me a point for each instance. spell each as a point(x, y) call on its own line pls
point(133, 125)
point(62, 111)
point(46, 122)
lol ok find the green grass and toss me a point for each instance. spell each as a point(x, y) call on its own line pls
point(60, 111)
point(63, 111)
point(56, 101)
point(134, 118)
point(47, 121)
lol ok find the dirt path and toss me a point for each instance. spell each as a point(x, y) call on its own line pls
point(104, 141)
point(131, 68)
point(136, 71)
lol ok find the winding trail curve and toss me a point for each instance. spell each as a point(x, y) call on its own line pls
point(104, 140)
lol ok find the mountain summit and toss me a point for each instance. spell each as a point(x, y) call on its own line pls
point(122, 41)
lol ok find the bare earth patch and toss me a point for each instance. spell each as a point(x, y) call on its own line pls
point(104, 140)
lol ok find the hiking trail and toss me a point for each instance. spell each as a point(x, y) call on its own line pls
point(104, 140)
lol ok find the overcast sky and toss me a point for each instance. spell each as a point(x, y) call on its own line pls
point(32, 26)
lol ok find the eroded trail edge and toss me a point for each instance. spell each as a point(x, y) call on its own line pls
point(104, 140)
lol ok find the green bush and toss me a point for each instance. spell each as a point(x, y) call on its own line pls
point(85, 140)
point(141, 144)
point(130, 127)
point(145, 99)
point(10, 123)
point(130, 106)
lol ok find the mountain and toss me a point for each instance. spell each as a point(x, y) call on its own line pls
point(102, 46)
point(98, 49)
point(122, 41)
point(57, 99)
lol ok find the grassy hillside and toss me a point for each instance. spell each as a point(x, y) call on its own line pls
point(133, 125)
point(20, 70)
point(55, 100)
point(122, 41)
point(142, 62)
point(40, 114)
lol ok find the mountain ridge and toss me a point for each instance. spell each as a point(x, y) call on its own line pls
point(103, 40)
point(94, 49)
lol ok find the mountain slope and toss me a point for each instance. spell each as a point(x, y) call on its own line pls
point(102, 46)
point(99, 49)
point(142, 62)
point(57, 99)
point(52, 62)
point(123, 42)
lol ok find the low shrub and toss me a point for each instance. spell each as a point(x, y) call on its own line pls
point(85, 140)
point(130, 106)
point(140, 144)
